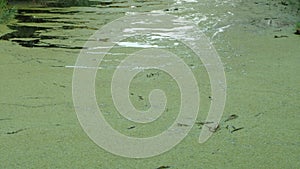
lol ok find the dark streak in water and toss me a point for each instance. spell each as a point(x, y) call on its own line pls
point(57, 66)
point(42, 11)
point(37, 43)
point(5, 119)
point(17, 131)
point(32, 106)
point(236, 129)
point(163, 167)
point(182, 125)
point(31, 19)
point(37, 97)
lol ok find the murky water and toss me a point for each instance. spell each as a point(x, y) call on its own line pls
point(254, 39)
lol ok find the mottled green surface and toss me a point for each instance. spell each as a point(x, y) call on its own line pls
point(38, 123)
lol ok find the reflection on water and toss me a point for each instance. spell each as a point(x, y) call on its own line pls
point(63, 24)
point(55, 22)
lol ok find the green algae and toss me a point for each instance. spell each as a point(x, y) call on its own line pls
point(263, 91)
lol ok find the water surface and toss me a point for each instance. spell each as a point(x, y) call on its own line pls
point(255, 40)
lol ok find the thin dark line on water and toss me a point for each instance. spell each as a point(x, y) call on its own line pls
point(33, 106)
point(236, 129)
point(5, 119)
point(16, 131)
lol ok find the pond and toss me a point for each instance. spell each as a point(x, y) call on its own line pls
point(254, 40)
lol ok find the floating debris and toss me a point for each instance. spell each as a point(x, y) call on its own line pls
point(163, 167)
point(237, 129)
point(17, 131)
point(214, 128)
point(231, 117)
point(152, 74)
point(233, 128)
point(141, 97)
point(131, 127)
point(281, 36)
point(203, 123)
point(182, 125)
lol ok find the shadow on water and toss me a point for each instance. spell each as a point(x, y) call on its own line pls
point(81, 3)
point(28, 30)
point(57, 4)
point(30, 35)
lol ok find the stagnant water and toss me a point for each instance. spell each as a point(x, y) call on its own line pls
point(254, 39)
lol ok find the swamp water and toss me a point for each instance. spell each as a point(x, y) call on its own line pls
point(254, 39)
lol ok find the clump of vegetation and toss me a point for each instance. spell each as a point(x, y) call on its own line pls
point(297, 28)
point(6, 13)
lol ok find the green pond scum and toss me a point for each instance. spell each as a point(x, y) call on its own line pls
point(255, 40)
